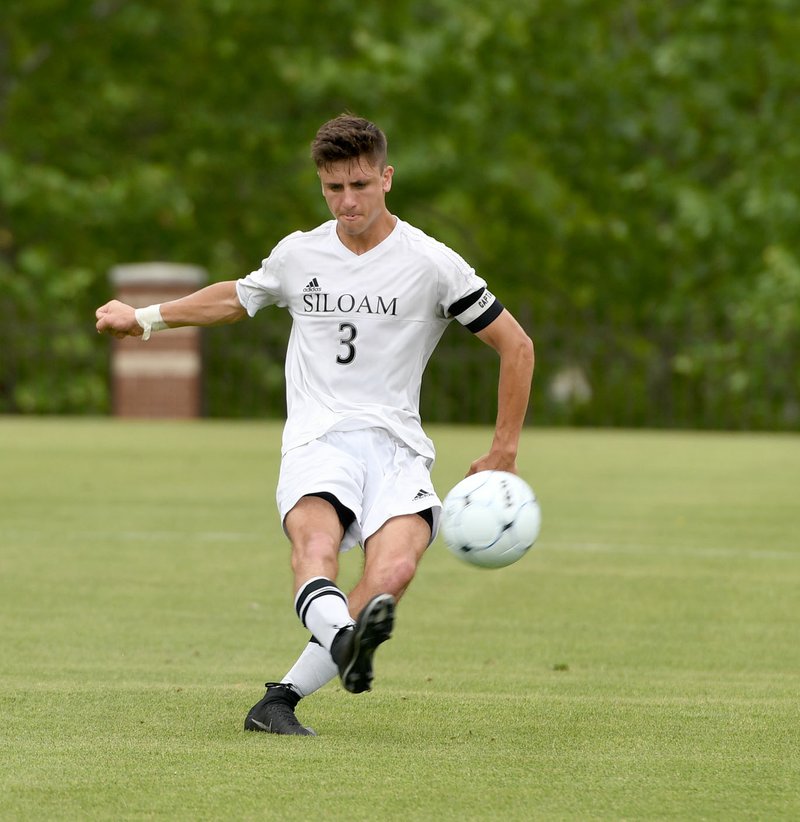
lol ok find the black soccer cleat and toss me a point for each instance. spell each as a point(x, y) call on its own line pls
point(274, 714)
point(354, 646)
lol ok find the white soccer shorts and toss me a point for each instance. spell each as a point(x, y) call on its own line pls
point(369, 471)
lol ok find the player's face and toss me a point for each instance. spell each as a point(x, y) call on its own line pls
point(355, 191)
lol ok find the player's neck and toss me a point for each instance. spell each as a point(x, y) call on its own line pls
point(367, 240)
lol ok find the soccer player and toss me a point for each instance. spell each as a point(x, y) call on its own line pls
point(370, 296)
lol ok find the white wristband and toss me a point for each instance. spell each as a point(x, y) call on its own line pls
point(149, 318)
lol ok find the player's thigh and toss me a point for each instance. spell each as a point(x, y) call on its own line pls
point(320, 467)
point(313, 518)
point(397, 546)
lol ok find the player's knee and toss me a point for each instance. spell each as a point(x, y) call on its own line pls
point(314, 547)
point(394, 577)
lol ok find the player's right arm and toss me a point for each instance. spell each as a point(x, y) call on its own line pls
point(216, 304)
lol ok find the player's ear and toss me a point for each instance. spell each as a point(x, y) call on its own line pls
point(388, 173)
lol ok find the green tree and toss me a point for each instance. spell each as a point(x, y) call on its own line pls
point(620, 170)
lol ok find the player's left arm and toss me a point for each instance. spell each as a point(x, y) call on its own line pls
point(515, 348)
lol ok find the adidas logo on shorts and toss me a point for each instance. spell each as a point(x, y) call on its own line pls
point(421, 494)
point(313, 285)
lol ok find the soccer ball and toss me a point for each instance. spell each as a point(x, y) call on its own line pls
point(490, 519)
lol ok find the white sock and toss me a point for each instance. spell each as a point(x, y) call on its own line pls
point(322, 608)
point(313, 669)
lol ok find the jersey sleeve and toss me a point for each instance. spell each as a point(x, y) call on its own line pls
point(464, 295)
point(263, 286)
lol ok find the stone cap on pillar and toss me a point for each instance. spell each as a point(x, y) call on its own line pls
point(158, 274)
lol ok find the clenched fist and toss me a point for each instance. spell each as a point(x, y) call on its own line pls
point(117, 319)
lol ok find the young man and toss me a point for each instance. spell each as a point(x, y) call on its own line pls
point(370, 297)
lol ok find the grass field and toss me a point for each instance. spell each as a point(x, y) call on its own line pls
point(642, 662)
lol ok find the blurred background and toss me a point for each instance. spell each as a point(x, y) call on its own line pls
point(624, 173)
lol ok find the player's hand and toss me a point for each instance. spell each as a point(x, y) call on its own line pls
point(118, 320)
point(494, 462)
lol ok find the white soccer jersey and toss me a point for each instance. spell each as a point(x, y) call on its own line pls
point(364, 326)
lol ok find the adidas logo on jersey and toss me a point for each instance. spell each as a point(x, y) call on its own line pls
point(421, 494)
point(313, 285)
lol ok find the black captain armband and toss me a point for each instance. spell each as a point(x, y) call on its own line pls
point(476, 310)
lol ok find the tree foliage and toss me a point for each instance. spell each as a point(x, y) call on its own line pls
point(622, 172)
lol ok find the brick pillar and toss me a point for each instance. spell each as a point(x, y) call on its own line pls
point(160, 377)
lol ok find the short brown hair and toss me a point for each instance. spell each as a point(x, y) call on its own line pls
point(348, 137)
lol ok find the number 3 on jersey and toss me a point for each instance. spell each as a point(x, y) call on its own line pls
point(349, 333)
